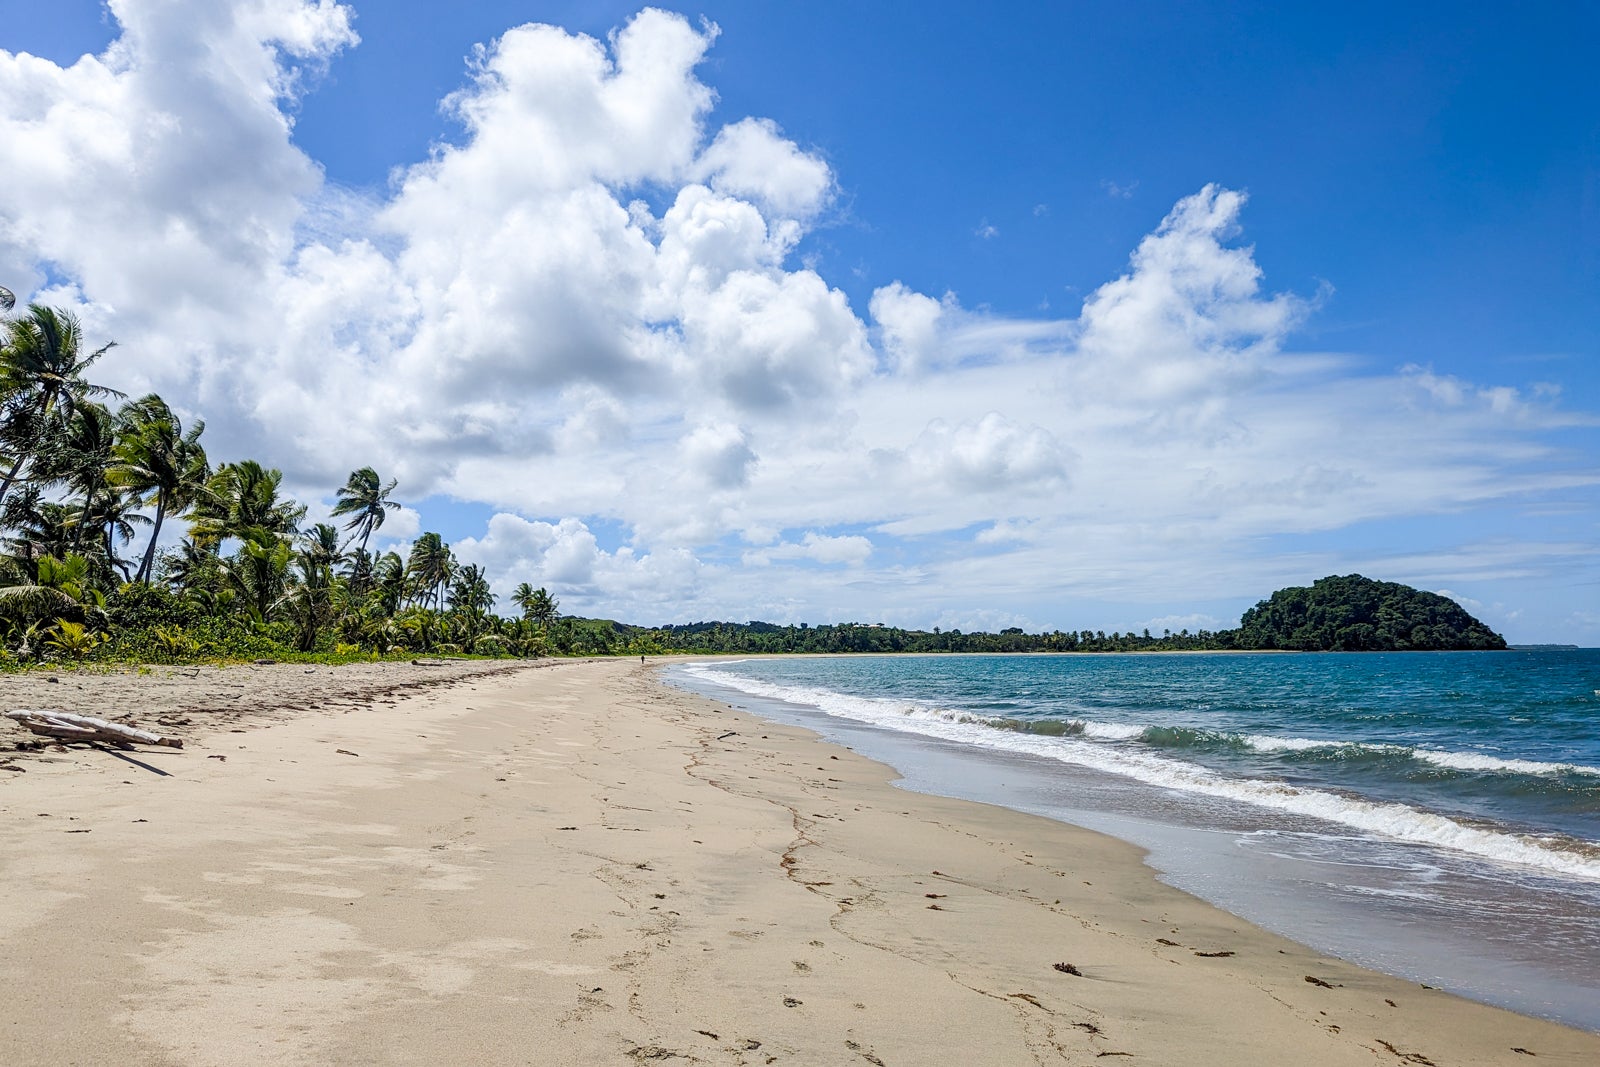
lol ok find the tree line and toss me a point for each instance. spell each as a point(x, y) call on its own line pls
point(84, 470)
point(1348, 613)
point(770, 638)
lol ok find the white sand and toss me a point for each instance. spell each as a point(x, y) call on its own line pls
point(565, 865)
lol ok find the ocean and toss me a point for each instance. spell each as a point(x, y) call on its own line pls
point(1431, 815)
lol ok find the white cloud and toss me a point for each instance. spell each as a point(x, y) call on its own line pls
point(1007, 531)
point(751, 159)
point(765, 341)
point(851, 549)
point(989, 455)
point(553, 111)
point(908, 323)
point(918, 333)
point(720, 453)
point(1187, 319)
point(159, 176)
point(566, 557)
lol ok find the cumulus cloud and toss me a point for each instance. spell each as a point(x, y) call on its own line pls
point(159, 177)
point(751, 159)
point(1187, 318)
point(908, 322)
point(403, 524)
point(566, 557)
point(719, 453)
point(989, 455)
point(504, 271)
point(583, 310)
point(766, 341)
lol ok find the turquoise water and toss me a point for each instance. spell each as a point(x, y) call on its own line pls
point(1433, 814)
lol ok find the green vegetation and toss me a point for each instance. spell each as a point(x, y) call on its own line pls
point(79, 477)
point(765, 637)
point(1356, 614)
point(1335, 614)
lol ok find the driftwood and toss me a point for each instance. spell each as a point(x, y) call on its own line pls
point(69, 727)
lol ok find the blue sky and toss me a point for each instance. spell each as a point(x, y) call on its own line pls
point(1364, 338)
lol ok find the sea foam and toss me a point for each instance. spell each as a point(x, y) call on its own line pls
point(1104, 747)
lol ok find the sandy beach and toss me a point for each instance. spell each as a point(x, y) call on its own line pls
point(570, 863)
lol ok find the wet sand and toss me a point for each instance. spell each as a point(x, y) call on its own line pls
point(571, 864)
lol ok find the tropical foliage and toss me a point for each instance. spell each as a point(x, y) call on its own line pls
point(82, 477)
point(1351, 613)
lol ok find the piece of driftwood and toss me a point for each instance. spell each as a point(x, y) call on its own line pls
point(70, 727)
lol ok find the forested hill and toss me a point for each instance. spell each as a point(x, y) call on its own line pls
point(1356, 614)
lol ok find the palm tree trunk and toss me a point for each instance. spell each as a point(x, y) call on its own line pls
point(147, 564)
point(11, 475)
point(359, 580)
point(111, 554)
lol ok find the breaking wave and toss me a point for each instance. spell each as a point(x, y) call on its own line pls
point(1149, 754)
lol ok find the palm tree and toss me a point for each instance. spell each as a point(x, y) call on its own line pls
point(366, 500)
point(319, 545)
point(314, 602)
point(431, 566)
point(30, 600)
point(259, 571)
point(537, 605)
point(470, 590)
point(154, 457)
point(191, 567)
point(41, 384)
point(358, 569)
point(40, 527)
point(471, 597)
point(240, 498)
point(543, 608)
point(78, 457)
point(61, 587)
point(112, 518)
point(389, 582)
